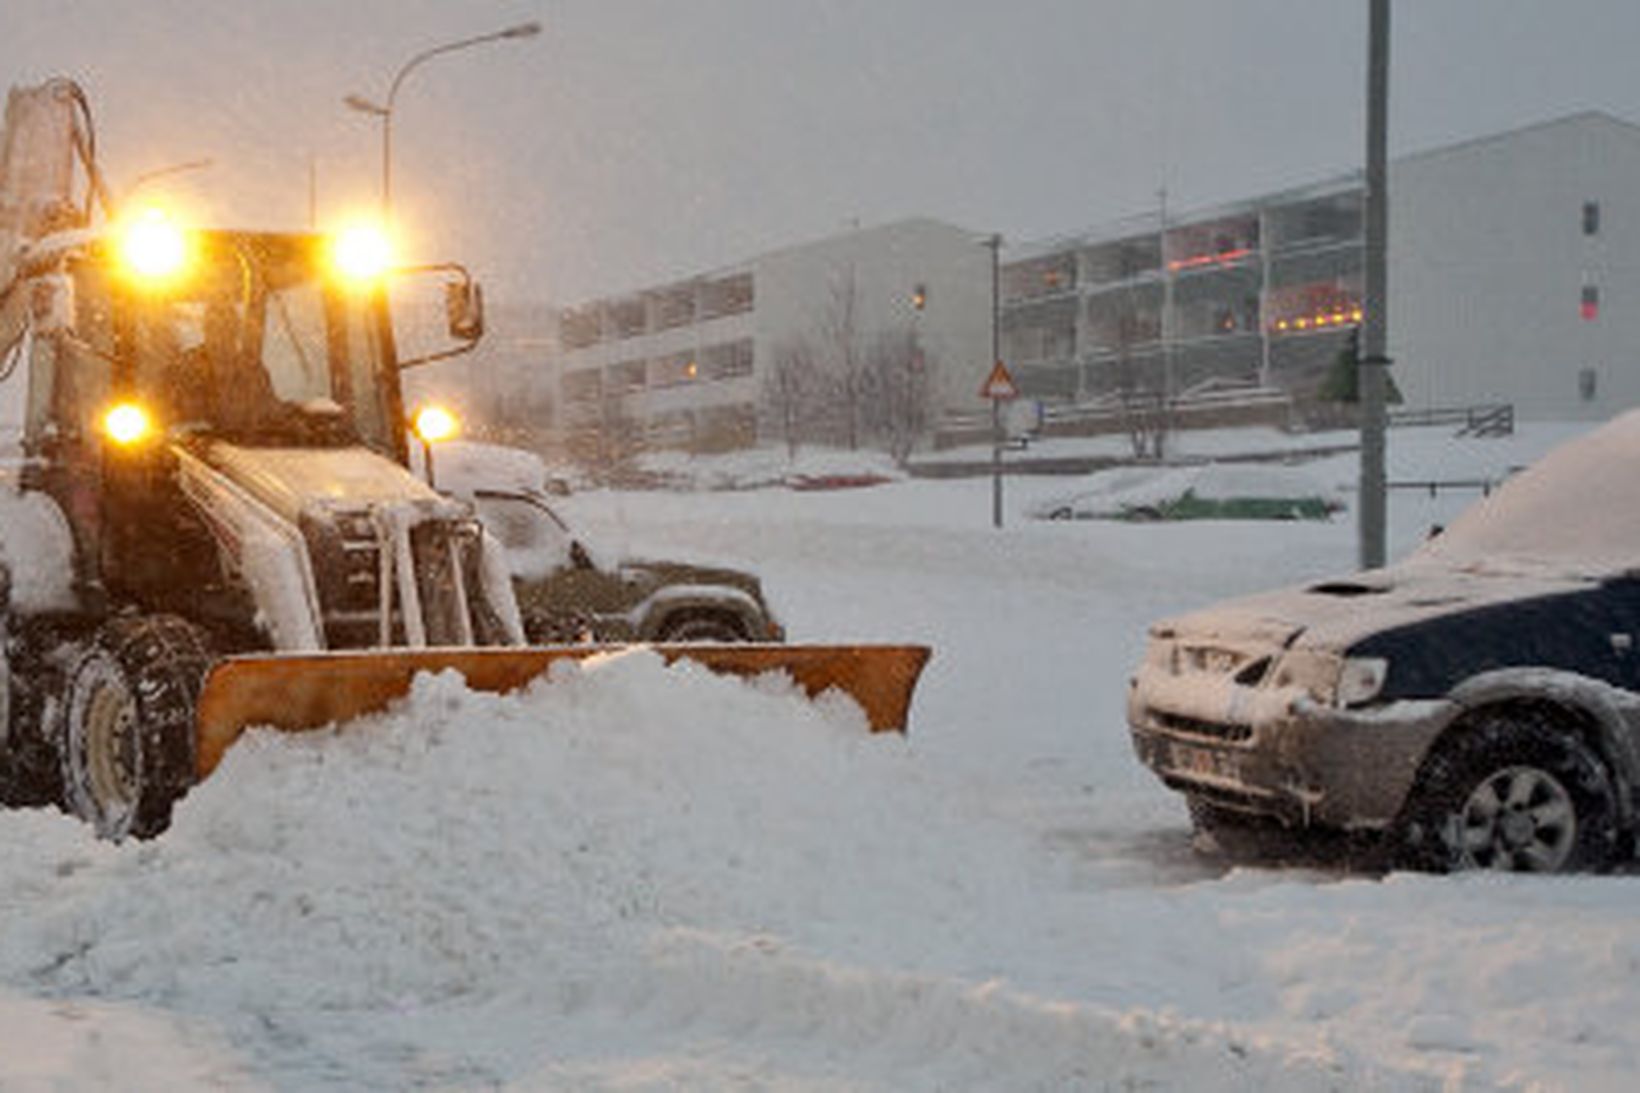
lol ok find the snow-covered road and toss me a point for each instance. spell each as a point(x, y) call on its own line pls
point(636, 877)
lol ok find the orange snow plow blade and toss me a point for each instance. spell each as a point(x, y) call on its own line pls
point(299, 691)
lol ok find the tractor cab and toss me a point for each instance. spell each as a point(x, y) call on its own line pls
point(153, 350)
point(255, 338)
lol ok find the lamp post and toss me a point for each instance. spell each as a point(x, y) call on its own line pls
point(385, 111)
point(994, 243)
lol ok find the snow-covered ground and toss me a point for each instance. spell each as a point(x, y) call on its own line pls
point(635, 877)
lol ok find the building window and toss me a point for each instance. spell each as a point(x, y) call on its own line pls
point(578, 329)
point(1591, 218)
point(1586, 384)
point(1590, 306)
point(728, 360)
point(731, 295)
point(625, 376)
point(584, 385)
point(671, 370)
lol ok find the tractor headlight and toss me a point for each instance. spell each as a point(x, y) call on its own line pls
point(127, 424)
point(361, 254)
point(152, 247)
point(1360, 679)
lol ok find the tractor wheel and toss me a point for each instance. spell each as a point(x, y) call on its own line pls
point(703, 628)
point(1515, 791)
point(126, 742)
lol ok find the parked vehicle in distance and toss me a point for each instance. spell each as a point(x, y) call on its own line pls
point(567, 593)
point(1477, 703)
point(1196, 491)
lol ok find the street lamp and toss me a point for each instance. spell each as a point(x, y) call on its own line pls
point(385, 112)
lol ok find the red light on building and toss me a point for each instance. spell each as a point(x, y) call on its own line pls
point(1223, 258)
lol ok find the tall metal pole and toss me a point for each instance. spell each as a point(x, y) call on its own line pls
point(385, 112)
point(1373, 363)
point(995, 243)
point(1164, 433)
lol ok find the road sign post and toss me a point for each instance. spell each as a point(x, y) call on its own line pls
point(999, 387)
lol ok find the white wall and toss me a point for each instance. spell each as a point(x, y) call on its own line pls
point(795, 288)
point(1487, 261)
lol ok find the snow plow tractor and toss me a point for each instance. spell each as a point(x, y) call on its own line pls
point(209, 522)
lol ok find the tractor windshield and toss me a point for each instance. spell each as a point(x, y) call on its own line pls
point(258, 344)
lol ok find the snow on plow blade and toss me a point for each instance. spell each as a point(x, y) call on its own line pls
point(298, 691)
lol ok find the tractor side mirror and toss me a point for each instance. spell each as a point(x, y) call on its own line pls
point(416, 306)
point(464, 309)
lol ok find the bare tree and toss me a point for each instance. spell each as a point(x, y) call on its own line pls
point(843, 356)
point(896, 380)
point(1145, 410)
point(620, 439)
point(789, 383)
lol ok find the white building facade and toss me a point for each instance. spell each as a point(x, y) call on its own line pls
point(686, 365)
point(1514, 272)
point(1514, 278)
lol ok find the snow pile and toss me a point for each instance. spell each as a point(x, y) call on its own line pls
point(1570, 508)
point(761, 467)
point(659, 849)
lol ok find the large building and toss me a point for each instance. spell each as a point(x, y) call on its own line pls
point(1514, 277)
point(693, 364)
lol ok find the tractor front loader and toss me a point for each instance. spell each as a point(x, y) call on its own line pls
point(212, 523)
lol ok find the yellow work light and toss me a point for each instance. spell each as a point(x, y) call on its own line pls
point(127, 424)
point(361, 253)
point(152, 247)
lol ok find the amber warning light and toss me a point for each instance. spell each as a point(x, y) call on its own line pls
point(435, 423)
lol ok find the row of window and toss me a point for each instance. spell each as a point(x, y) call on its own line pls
point(724, 361)
point(708, 429)
point(662, 309)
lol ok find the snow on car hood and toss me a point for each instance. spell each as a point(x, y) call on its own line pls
point(1335, 614)
point(290, 479)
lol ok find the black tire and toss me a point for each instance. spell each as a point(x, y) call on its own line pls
point(1512, 790)
point(126, 738)
point(703, 628)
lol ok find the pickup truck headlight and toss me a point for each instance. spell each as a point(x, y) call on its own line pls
point(1360, 679)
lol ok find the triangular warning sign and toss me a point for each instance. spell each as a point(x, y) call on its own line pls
point(999, 384)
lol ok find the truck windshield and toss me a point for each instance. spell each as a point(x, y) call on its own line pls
point(258, 346)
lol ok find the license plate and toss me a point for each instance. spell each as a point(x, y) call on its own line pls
point(1202, 762)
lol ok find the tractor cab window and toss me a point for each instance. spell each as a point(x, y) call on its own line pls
point(257, 345)
point(294, 344)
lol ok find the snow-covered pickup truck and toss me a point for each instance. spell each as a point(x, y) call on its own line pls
point(1478, 703)
point(567, 592)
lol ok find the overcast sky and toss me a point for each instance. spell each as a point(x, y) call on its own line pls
point(637, 140)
